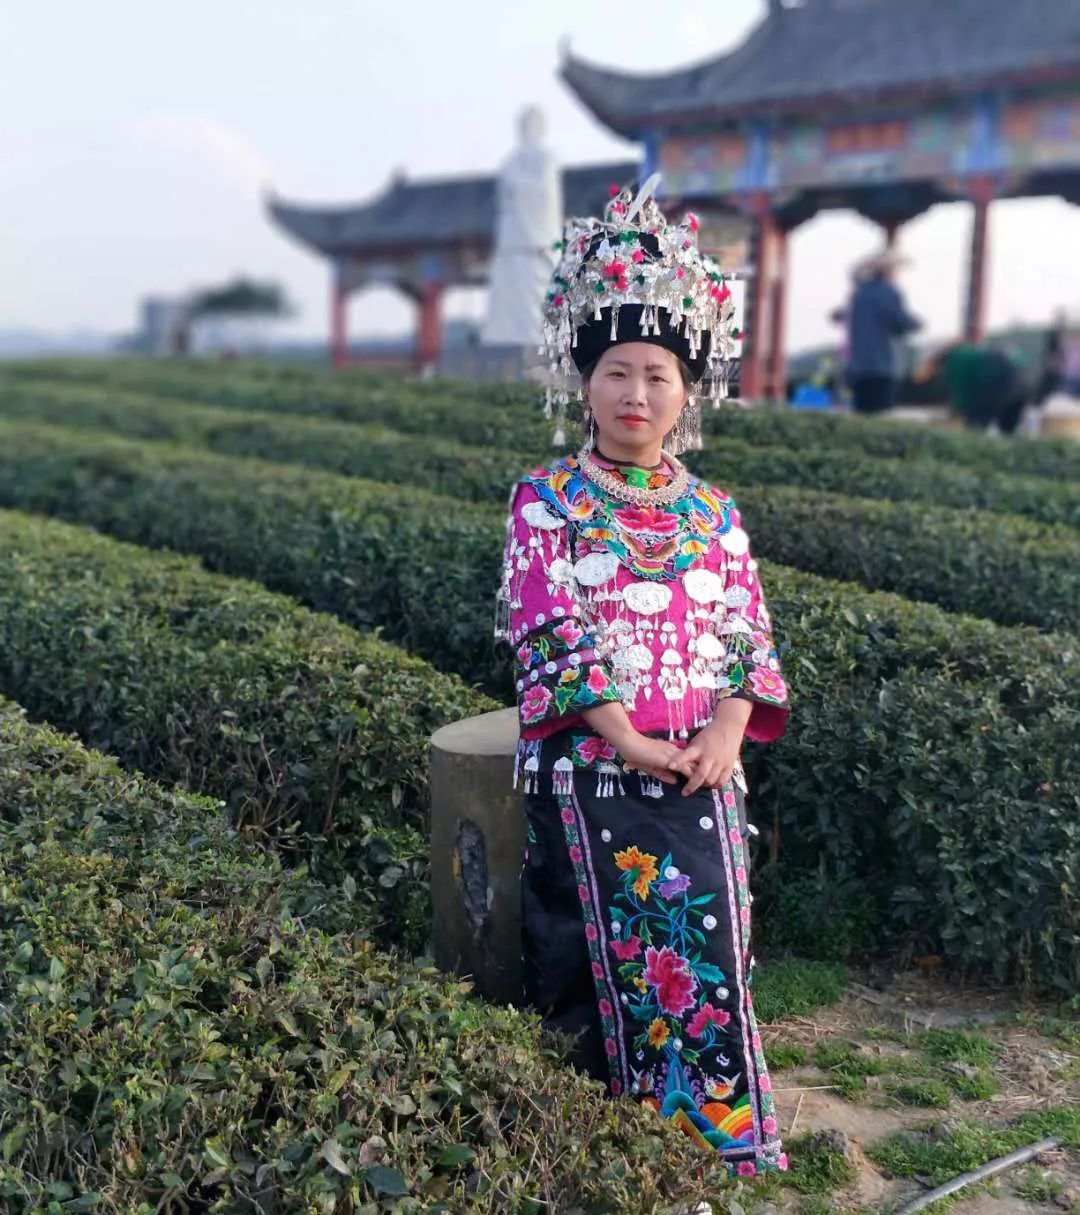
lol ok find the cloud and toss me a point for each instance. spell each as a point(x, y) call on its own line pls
point(205, 147)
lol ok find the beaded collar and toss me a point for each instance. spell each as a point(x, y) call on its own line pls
point(642, 487)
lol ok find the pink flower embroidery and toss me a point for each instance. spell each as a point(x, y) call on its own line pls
point(597, 971)
point(705, 1016)
point(590, 932)
point(610, 1047)
point(746, 1168)
point(592, 749)
point(768, 1125)
point(768, 684)
point(669, 973)
point(598, 682)
point(782, 1162)
point(626, 950)
point(755, 1041)
point(524, 653)
point(534, 703)
point(583, 893)
point(616, 1087)
point(740, 876)
point(569, 633)
point(649, 519)
point(764, 1083)
point(567, 816)
point(744, 915)
point(605, 1008)
point(575, 854)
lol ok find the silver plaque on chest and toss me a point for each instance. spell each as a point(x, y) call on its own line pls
point(596, 568)
point(536, 514)
point(735, 541)
point(708, 645)
point(634, 658)
point(703, 586)
point(560, 571)
point(646, 598)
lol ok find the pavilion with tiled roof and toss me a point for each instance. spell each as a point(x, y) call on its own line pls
point(423, 237)
point(882, 106)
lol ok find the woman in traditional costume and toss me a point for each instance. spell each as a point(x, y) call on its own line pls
point(643, 655)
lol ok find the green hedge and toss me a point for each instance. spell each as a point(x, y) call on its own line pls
point(187, 1026)
point(877, 681)
point(508, 415)
point(1056, 459)
point(483, 473)
point(279, 524)
point(495, 414)
point(303, 727)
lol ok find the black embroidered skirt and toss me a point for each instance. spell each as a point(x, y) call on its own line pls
point(636, 930)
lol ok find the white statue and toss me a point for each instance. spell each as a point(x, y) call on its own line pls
point(529, 220)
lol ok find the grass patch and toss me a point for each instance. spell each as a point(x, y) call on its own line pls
point(933, 1094)
point(980, 1087)
point(819, 1164)
point(848, 1066)
point(941, 1156)
point(883, 1033)
point(1061, 1028)
point(1038, 1185)
point(958, 1046)
point(791, 987)
point(784, 1055)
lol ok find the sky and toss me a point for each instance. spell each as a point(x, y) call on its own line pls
point(139, 139)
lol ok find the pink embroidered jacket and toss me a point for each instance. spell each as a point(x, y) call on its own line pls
point(659, 607)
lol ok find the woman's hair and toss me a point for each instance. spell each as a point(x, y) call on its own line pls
point(684, 371)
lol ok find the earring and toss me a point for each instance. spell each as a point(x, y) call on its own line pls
point(685, 435)
point(589, 424)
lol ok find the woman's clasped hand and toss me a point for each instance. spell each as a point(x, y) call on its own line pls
point(707, 761)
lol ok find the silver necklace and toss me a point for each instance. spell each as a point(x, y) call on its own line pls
point(616, 487)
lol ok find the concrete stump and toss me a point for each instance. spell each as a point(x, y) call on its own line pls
point(477, 840)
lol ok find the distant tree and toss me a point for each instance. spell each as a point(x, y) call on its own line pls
point(241, 297)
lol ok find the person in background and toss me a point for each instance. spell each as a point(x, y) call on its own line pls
point(876, 318)
point(985, 384)
point(1052, 375)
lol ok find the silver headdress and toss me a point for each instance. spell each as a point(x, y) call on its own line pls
point(632, 276)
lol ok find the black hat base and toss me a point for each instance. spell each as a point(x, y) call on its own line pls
point(594, 337)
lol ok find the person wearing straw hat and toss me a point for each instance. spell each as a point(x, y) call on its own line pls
point(876, 318)
point(643, 656)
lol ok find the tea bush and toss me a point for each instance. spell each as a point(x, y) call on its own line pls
point(315, 737)
point(444, 465)
point(187, 1026)
point(1009, 569)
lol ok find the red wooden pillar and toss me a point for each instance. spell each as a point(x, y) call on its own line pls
point(776, 380)
point(981, 192)
point(755, 322)
point(339, 341)
point(429, 327)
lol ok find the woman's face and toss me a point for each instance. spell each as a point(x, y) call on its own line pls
point(635, 392)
